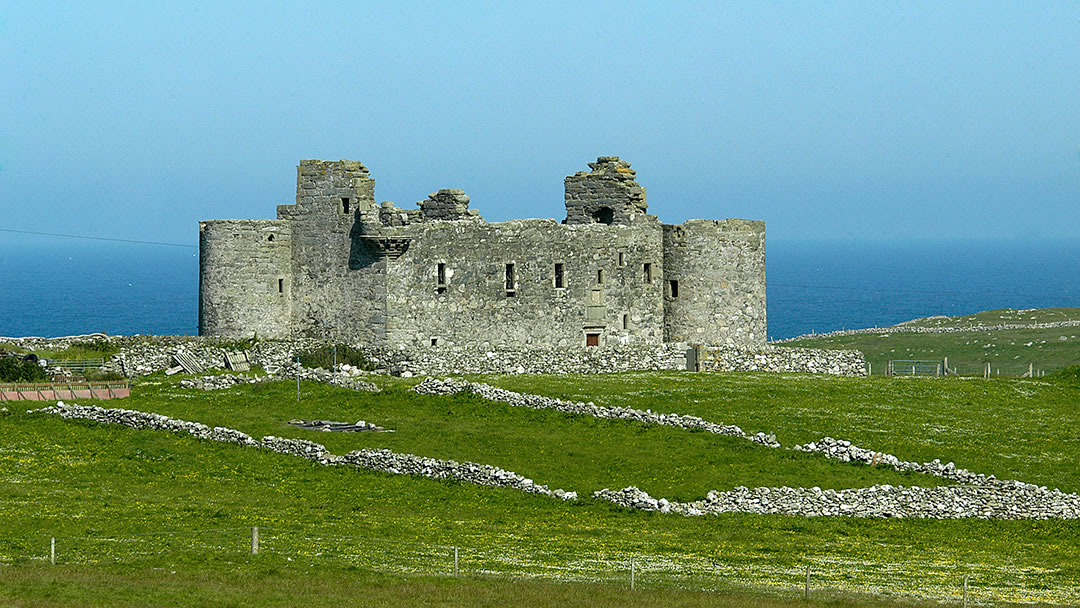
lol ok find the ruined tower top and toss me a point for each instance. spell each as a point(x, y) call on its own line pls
point(608, 194)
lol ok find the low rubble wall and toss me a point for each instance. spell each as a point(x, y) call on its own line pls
point(381, 460)
point(142, 355)
point(777, 359)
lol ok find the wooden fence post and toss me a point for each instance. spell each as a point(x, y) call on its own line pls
point(806, 590)
point(965, 590)
point(254, 540)
point(52, 550)
point(632, 572)
point(455, 560)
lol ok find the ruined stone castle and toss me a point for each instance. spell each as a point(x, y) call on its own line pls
point(339, 265)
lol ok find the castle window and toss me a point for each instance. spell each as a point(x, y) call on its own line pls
point(646, 273)
point(599, 276)
point(673, 289)
point(592, 339)
point(626, 321)
point(345, 205)
point(603, 215)
point(440, 284)
point(434, 341)
point(622, 259)
point(559, 276)
point(270, 238)
point(281, 285)
point(509, 280)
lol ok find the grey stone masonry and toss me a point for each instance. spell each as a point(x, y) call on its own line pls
point(446, 204)
point(607, 195)
point(337, 265)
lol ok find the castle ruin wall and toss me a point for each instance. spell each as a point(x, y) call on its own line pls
point(345, 268)
point(714, 282)
point(526, 283)
point(245, 282)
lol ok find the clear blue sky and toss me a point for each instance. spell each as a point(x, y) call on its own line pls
point(891, 120)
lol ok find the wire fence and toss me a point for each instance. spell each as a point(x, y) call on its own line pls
point(945, 367)
point(821, 577)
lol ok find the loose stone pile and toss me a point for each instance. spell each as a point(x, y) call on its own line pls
point(993, 500)
point(213, 383)
point(318, 374)
point(377, 460)
point(450, 386)
point(335, 426)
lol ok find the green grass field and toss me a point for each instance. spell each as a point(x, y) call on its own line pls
point(1009, 351)
point(129, 507)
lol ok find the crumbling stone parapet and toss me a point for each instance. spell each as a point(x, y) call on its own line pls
point(608, 194)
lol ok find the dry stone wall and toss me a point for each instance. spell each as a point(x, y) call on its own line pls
point(142, 355)
point(385, 461)
point(450, 386)
point(975, 495)
point(780, 359)
point(915, 329)
point(1003, 500)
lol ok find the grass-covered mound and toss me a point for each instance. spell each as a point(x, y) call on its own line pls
point(157, 500)
point(979, 339)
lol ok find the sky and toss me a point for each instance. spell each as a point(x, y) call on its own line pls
point(828, 120)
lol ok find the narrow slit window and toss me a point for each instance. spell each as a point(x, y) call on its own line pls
point(281, 285)
point(673, 288)
point(599, 276)
point(559, 276)
point(509, 279)
point(646, 273)
point(626, 321)
point(441, 274)
point(622, 259)
point(345, 205)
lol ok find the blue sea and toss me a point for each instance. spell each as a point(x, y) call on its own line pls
point(61, 288)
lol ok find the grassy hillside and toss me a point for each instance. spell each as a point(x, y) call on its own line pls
point(1009, 351)
point(131, 507)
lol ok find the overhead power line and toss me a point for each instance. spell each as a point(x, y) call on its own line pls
point(96, 238)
